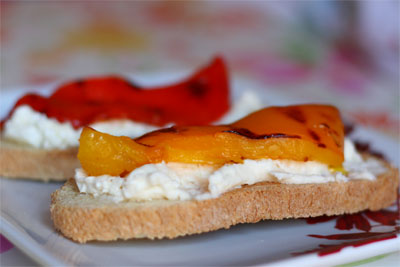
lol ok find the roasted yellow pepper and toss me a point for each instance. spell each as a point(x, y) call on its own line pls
point(301, 133)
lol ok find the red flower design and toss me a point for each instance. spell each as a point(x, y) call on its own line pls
point(358, 221)
point(363, 239)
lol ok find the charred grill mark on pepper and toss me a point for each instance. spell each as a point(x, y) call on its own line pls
point(142, 144)
point(250, 135)
point(198, 88)
point(314, 135)
point(80, 82)
point(173, 130)
point(331, 132)
point(335, 139)
point(295, 114)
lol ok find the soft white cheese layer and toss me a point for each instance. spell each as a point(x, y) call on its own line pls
point(177, 181)
point(34, 128)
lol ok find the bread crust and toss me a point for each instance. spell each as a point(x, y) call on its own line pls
point(26, 162)
point(82, 217)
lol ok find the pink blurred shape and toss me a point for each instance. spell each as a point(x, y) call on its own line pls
point(5, 245)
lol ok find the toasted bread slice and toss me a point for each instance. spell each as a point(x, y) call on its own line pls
point(83, 217)
point(23, 161)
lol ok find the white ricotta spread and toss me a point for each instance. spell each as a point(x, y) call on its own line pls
point(34, 128)
point(29, 126)
point(177, 181)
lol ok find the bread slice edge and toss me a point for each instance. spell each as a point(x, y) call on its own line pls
point(21, 161)
point(82, 217)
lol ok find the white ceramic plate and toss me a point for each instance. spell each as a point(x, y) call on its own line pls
point(25, 221)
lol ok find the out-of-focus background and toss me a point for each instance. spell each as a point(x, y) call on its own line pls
point(343, 52)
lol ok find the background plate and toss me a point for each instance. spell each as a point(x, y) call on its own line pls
point(25, 221)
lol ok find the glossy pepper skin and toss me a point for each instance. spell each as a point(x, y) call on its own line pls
point(199, 100)
point(300, 133)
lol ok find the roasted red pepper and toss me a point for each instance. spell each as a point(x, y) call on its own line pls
point(199, 100)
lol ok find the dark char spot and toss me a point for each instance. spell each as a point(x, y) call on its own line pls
point(296, 114)
point(314, 135)
point(335, 139)
point(80, 82)
point(321, 145)
point(198, 88)
point(249, 134)
point(172, 129)
point(146, 145)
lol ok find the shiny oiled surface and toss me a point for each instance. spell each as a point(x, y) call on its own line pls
point(301, 133)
